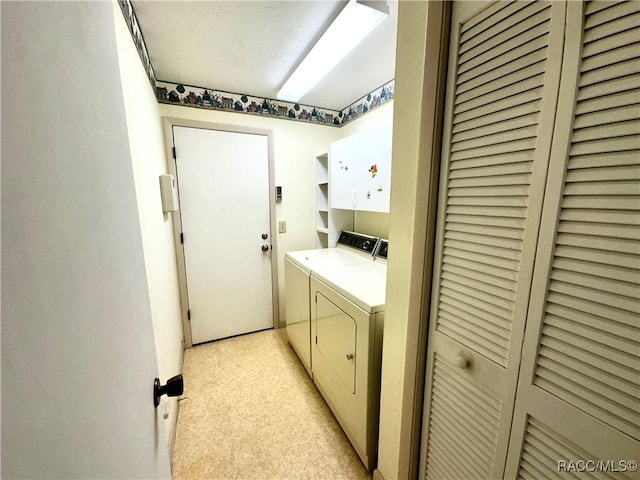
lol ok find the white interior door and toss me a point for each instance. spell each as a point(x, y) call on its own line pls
point(223, 181)
point(78, 351)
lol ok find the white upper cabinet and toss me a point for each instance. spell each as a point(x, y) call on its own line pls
point(360, 170)
point(343, 160)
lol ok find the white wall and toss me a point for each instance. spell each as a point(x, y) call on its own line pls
point(78, 359)
point(146, 140)
point(416, 158)
point(296, 145)
point(371, 223)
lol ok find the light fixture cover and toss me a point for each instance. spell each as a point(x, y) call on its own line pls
point(350, 27)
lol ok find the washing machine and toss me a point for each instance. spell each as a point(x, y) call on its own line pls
point(347, 319)
point(352, 248)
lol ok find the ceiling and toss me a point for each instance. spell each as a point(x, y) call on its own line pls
point(251, 47)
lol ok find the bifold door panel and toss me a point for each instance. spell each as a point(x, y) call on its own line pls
point(537, 272)
point(500, 108)
point(579, 384)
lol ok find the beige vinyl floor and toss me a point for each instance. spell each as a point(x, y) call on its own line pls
point(250, 411)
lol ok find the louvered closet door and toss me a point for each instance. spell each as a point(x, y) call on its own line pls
point(579, 392)
point(503, 79)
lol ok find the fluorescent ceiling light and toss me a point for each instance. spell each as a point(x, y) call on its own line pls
point(350, 27)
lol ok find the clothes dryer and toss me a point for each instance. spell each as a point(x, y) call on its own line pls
point(347, 320)
point(351, 248)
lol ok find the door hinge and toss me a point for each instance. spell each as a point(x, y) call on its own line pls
point(182, 238)
point(189, 315)
point(316, 339)
point(173, 149)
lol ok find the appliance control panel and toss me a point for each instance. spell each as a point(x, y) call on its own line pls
point(383, 247)
point(358, 241)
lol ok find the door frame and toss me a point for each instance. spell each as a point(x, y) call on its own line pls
point(169, 123)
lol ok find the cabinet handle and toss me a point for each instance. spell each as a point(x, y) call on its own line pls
point(349, 356)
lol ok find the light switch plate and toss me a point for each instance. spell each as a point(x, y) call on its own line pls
point(282, 226)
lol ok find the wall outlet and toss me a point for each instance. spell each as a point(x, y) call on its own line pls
point(282, 226)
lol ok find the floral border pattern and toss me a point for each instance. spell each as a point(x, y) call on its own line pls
point(169, 92)
point(136, 33)
point(368, 102)
point(199, 97)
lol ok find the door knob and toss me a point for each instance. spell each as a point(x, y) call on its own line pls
point(462, 361)
point(349, 356)
point(264, 236)
point(265, 248)
point(173, 388)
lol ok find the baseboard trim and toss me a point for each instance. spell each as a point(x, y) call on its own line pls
point(172, 432)
point(377, 475)
point(174, 421)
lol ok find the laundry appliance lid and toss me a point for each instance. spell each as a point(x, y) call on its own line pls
point(364, 283)
point(308, 260)
point(352, 247)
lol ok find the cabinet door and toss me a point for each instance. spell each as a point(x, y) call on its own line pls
point(503, 81)
point(343, 173)
point(579, 390)
point(374, 169)
point(360, 167)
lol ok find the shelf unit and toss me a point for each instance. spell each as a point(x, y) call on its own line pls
point(329, 221)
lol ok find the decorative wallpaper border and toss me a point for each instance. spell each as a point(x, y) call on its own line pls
point(368, 102)
point(176, 93)
point(136, 33)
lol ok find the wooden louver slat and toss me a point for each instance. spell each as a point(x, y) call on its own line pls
point(613, 14)
point(499, 21)
point(543, 449)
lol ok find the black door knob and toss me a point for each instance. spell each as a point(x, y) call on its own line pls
point(265, 248)
point(173, 388)
point(264, 236)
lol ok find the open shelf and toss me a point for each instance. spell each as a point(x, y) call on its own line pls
point(329, 222)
